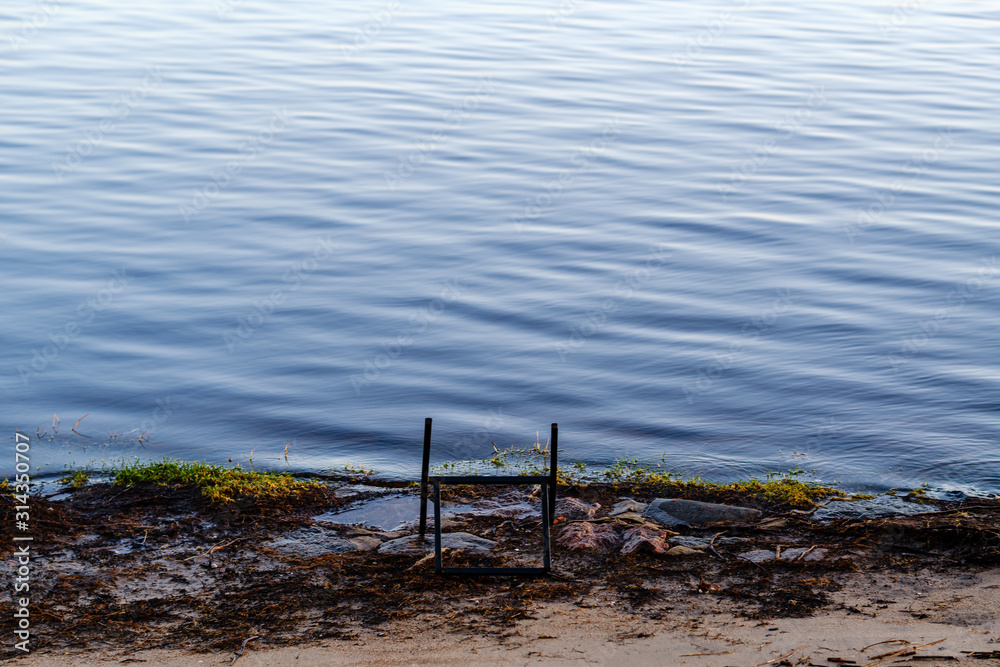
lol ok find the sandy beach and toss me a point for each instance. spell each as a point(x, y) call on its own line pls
point(158, 575)
point(873, 613)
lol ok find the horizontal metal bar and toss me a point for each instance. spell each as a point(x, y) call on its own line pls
point(485, 479)
point(494, 570)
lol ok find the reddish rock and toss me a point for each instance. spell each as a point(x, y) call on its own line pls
point(574, 508)
point(601, 536)
point(645, 539)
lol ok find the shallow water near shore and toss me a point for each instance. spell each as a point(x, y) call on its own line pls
point(723, 239)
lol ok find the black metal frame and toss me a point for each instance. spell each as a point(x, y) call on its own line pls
point(547, 484)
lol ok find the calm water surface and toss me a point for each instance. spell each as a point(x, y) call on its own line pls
point(725, 238)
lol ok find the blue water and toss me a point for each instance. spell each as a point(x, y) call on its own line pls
point(724, 238)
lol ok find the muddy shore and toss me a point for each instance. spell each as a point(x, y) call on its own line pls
point(148, 573)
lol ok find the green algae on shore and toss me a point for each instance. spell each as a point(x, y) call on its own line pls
point(218, 484)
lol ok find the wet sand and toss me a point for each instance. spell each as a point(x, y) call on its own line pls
point(959, 609)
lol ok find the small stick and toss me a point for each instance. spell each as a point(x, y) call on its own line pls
point(693, 655)
point(55, 418)
point(806, 553)
point(782, 657)
point(892, 655)
point(243, 647)
point(887, 641)
point(220, 546)
point(77, 423)
point(711, 546)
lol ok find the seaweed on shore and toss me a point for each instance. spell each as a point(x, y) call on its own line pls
point(148, 565)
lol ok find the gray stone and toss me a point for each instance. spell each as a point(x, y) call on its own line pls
point(758, 555)
point(803, 553)
point(675, 512)
point(366, 542)
point(311, 542)
point(869, 509)
point(701, 543)
point(459, 541)
point(628, 506)
point(793, 554)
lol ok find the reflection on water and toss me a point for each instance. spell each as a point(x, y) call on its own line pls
point(726, 239)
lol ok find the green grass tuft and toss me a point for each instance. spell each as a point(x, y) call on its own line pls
point(784, 488)
point(75, 480)
point(218, 484)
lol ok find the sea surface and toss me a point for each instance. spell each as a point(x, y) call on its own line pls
point(720, 238)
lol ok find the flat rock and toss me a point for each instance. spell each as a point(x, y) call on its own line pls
point(628, 506)
point(700, 543)
point(796, 553)
point(676, 512)
point(684, 551)
point(411, 544)
point(803, 553)
point(366, 542)
point(869, 509)
point(313, 541)
point(757, 555)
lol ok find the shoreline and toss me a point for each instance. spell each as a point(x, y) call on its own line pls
point(153, 573)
